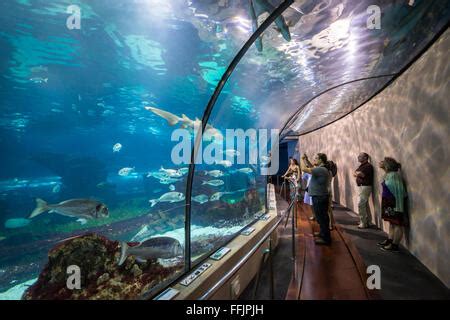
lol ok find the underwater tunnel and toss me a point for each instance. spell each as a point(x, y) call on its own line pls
point(145, 145)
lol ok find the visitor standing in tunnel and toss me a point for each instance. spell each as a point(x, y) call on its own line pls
point(306, 179)
point(293, 169)
point(393, 203)
point(293, 176)
point(318, 189)
point(364, 181)
point(332, 168)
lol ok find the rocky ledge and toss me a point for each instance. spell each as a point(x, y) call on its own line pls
point(100, 277)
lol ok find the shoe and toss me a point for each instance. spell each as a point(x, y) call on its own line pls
point(362, 226)
point(384, 243)
point(390, 247)
point(311, 218)
point(316, 234)
point(320, 241)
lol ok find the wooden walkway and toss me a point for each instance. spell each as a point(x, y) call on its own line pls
point(334, 272)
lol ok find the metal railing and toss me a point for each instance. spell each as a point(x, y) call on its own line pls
point(206, 114)
point(267, 253)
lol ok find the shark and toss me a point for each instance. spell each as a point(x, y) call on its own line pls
point(186, 123)
point(173, 119)
point(258, 7)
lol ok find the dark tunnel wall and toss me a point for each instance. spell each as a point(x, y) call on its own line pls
point(407, 121)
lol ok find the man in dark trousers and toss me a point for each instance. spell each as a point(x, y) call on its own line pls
point(318, 190)
point(364, 181)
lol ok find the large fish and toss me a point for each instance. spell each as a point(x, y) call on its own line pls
point(245, 170)
point(172, 173)
point(258, 41)
point(173, 119)
point(216, 196)
point(153, 248)
point(171, 197)
point(214, 183)
point(258, 7)
point(214, 173)
point(210, 133)
point(77, 208)
point(170, 117)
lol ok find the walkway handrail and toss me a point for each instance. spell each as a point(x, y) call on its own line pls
point(272, 17)
point(247, 256)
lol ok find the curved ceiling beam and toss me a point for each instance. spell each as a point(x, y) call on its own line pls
point(209, 107)
point(300, 109)
point(395, 76)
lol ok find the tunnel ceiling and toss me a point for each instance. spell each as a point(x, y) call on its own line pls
point(332, 63)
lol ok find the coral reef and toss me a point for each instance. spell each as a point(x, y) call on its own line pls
point(101, 278)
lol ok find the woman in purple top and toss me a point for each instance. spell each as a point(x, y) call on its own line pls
point(393, 203)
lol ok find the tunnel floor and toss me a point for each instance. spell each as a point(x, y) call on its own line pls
point(338, 272)
point(403, 276)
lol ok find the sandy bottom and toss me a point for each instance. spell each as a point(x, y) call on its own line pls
point(16, 292)
point(196, 233)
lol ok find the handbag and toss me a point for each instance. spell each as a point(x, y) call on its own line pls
point(391, 213)
point(389, 208)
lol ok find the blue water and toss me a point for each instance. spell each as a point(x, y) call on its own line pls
point(69, 95)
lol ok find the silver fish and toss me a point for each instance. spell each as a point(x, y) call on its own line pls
point(214, 183)
point(201, 198)
point(39, 80)
point(214, 173)
point(225, 163)
point(216, 196)
point(117, 147)
point(153, 248)
point(125, 171)
point(183, 171)
point(168, 197)
point(172, 173)
point(168, 180)
point(78, 208)
point(245, 170)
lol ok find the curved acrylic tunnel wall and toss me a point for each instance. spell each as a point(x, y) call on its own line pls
point(76, 119)
point(77, 124)
point(407, 121)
